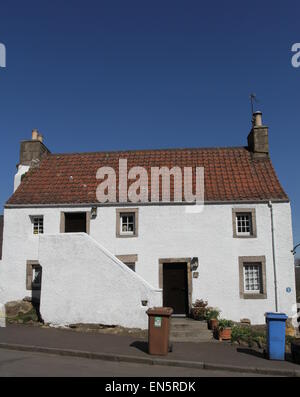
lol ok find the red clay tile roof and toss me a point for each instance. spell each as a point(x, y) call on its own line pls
point(231, 174)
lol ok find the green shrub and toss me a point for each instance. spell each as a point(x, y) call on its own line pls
point(248, 335)
point(212, 313)
point(223, 323)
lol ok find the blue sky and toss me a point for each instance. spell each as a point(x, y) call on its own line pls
point(120, 74)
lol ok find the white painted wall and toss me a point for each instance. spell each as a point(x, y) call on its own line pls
point(83, 283)
point(169, 232)
point(22, 169)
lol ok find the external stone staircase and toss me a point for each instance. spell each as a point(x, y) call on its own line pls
point(189, 330)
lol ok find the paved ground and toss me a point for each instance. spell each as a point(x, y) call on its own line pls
point(25, 364)
point(215, 353)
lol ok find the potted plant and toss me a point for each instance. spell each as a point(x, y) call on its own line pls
point(212, 318)
point(224, 329)
point(199, 309)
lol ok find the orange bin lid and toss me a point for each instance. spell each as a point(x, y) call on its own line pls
point(160, 311)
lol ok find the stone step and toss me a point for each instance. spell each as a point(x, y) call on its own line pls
point(192, 339)
point(189, 330)
point(195, 327)
point(189, 333)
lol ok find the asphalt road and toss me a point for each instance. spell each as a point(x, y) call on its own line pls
point(25, 364)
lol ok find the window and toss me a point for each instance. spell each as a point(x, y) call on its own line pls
point(75, 222)
point(243, 222)
point(38, 224)
point(128, 260)
point(127, 223)
point(33, 275)
point(252, 278)
point(252, 271)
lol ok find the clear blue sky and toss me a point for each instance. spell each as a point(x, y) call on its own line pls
point(120, 74)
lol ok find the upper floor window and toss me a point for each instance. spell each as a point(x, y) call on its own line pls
point(243, 222)
point(127, 223)
point(37, 224)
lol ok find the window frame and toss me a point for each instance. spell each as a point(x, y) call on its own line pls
point(129, 260)
point(253, 260)
point(32, 218)
point(63, 220)
point(30, 266)
point(244, 211)
point(127, 211)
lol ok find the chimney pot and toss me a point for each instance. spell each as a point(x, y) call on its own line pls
point(40, 137)
point(35, 135)
point(257, 119)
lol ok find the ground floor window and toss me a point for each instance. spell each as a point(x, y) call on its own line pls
point(252, 272)
point(33, 275)
point(129, 260)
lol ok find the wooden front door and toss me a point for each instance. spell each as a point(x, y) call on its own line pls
point(175, 287)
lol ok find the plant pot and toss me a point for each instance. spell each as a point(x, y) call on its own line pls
point(225, 334)
point(213, 323)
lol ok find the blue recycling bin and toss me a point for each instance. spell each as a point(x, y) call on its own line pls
point(276, 335)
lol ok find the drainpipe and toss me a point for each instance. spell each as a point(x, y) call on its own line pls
point(270, 205)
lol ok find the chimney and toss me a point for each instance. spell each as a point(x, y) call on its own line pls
point(33, 149)
point(31, 152)
point(35, 135)
point(258, 142)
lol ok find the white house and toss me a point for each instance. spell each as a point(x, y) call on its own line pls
point(92, 262)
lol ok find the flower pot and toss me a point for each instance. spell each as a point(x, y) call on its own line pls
point(225, 334)
point(213, 323)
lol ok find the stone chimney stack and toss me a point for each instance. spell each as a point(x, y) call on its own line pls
point(258, 141)
point(31, 152)
point(33, 149)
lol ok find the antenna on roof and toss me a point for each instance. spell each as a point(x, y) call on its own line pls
point(252, 100)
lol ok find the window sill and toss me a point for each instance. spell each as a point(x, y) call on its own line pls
point(126, 235)
point(253, 296)
point(250, 236)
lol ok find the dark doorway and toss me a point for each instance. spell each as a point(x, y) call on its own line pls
point(175, 287)
point(36, 289)
point(75, 222)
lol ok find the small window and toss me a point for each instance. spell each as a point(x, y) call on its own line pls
point(38, 224)
point(127, 223)
point(244, 222)
point(252, 278)
point(129, 260)
point(33, 276)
